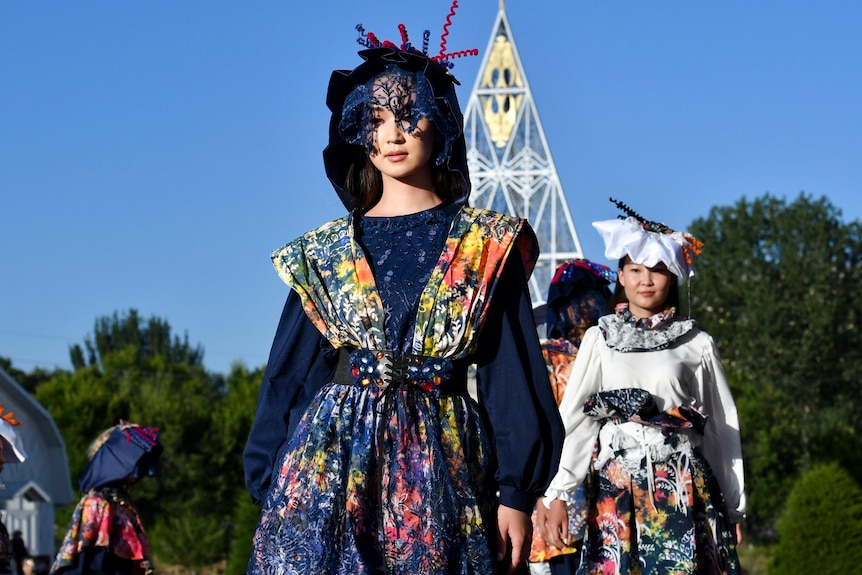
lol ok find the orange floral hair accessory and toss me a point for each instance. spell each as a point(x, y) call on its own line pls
point(13, 447)
point(9, 417)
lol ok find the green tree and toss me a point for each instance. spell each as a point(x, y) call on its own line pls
point(28, 380)
point(246, 515)
point(83, 404)
point(778, 287)
point(150, 339)
point(138, 373)
point(822, 529)
point(235, 419)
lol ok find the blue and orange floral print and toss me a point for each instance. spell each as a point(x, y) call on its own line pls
point(655, 506)
point(329, 271)
point(378, 477)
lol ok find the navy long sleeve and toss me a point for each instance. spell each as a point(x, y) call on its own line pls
point(514, 390)
point(300, 362)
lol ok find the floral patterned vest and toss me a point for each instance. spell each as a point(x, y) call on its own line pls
point(329, 271)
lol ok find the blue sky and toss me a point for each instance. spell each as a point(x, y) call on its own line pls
point(153, 153)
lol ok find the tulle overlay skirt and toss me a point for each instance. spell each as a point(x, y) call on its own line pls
point(375, 481)
point(655, 506)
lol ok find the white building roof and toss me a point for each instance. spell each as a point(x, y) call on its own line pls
point(46, 466)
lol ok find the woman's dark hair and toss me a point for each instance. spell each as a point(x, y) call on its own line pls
point(672, 299)
point(364, 181)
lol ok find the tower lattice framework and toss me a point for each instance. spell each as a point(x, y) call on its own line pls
point(511, 169)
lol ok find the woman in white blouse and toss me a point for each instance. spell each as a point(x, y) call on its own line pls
point(650, 423)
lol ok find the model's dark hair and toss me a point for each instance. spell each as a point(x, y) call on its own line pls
point(364, 181)
point(672, 299)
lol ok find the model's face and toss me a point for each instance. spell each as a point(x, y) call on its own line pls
point(399, 154)
point(646, 288)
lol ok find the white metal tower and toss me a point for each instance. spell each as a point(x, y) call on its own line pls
point(511, 169)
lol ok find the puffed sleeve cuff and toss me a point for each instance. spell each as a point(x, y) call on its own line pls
point(561, 494)
point(517, 499)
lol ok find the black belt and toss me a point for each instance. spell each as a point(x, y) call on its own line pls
point(383, 368)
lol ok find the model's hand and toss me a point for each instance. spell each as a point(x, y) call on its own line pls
point(542, 513)
point(553, 523)
point(514, 530)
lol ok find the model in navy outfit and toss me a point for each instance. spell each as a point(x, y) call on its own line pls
point(367, 453)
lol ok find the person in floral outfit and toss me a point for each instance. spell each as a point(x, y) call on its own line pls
point(105, 535)
point(651, 422)
point(367, 452)
point(578, 296)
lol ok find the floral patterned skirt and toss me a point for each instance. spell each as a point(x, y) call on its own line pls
point(375, 481)
point(655, 506)
point(104, 521)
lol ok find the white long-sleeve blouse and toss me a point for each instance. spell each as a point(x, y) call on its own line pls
point(688, 372)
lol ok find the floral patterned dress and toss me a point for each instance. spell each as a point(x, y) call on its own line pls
point(105, 535)
point(653, 393)
point(391, 468)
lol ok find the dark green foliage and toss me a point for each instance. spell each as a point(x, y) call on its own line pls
point(235, 419)
point(27, 380)
point(779, 286)
point(149, 339)
point(822, 529)
point(754, 559)
point(246, 515)
point(83, 404)
point(188, 509)
point(770, 440)
point(189, 539)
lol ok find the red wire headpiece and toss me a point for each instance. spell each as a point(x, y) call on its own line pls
point(370, 40)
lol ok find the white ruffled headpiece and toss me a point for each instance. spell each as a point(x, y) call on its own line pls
point(633, 237)
point(13, 447)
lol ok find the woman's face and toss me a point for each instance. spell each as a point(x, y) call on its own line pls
point(400, 154)
point(646, 288)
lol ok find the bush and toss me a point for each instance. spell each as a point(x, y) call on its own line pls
point(188, 540)
point(246, 516)
point(821, 531)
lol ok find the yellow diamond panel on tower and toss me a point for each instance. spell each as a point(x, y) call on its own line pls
point(506, 91)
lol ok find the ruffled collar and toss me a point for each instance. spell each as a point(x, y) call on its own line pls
point(653, 321)
point(624, 332)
